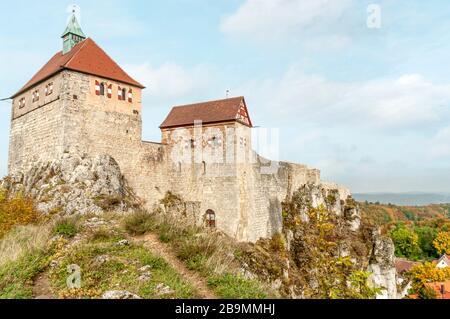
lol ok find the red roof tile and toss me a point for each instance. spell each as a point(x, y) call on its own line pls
point(208, 112)
point(442, 289)
point(403, 265)
point(86, 57)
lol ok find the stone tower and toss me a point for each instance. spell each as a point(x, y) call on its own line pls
point(79, 99)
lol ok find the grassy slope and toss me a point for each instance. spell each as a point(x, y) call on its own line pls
point(120, 271)
point(106, 265)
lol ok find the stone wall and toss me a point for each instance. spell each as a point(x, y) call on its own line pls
point(37, 129)
point(223, 175)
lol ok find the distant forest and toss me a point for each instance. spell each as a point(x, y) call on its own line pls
point(415, 230)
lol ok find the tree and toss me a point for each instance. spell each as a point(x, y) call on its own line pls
point(427, 293)
point(426, 237)
point(406, 242)
point(427, 272)
point(442, 243)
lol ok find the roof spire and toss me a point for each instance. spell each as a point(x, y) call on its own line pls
point(72, 34)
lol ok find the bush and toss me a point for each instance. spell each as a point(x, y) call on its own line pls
point(66, 227)
point(138, 223)
point(18, 210)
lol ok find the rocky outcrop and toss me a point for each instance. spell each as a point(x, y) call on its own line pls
point(119, 294)
point(382, 266)
point(291, 260)
point(74, 184)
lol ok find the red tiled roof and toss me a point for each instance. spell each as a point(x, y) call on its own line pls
point(403, 265)
point(442, 289)
point(208, 112)
point(86, 57)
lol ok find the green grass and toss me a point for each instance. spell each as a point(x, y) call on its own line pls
point(138, 223)
point(16, 278)
point(228, 286)
point(66, 227)
point(120, 271)
point(201, 252)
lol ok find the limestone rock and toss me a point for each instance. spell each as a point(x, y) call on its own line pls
point(119, 294)
point(162, 289)
point(382, 266)
point(123, 242)
point(74, 184)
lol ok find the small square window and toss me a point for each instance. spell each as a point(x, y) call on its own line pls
point(49, 89)
point(36, 96)
point(22, 103)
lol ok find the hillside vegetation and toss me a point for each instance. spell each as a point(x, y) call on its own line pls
point(418, 232)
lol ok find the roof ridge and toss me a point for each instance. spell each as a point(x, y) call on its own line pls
point(113, 61)
point(211, 101)
point(83, 44)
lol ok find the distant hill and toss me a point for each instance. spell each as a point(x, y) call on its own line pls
point(385, 214)
point(404, 199)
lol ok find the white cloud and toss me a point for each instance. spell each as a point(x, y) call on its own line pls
point(315, 23)
point(170, 80)
point(440, 143)
point(406, 101)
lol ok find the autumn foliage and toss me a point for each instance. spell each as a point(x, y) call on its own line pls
point(442, 243)
point(17, 210)
point(427, 272)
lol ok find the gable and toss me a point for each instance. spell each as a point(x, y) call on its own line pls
point(86, 57)
point(242, 114)
point(226, 110)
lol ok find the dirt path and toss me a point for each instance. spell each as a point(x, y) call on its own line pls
point(152, 242)
point(41, 287)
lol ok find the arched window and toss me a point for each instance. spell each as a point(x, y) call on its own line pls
point(210, 218)
point(102, 88)
point(204, 167)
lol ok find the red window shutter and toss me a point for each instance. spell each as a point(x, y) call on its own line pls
point(130, 96)
point(119, 93)
point(97, 88)
point(109, 91)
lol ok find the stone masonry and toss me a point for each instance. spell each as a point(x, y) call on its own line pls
point(245, 200)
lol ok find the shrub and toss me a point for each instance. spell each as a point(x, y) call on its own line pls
point(138, 223)
point(277, 243)
point(18, 210)
point(66, 227)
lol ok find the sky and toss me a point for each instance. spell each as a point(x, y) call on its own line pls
point(362, 95)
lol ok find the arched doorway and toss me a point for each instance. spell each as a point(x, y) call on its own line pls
point(210, 218)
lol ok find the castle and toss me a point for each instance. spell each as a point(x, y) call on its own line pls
point(82, 101)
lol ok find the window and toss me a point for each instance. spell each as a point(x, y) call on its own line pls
point(210, 218)
point(215, 141)
point(22, 103)
point(35, 95)
point(193, 143)
point(124, 94)
point(49, 89)
point(204, 167)
point(102, 89)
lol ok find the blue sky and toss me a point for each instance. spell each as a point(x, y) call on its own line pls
point(369, 107)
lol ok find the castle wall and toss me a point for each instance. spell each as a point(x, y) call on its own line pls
point(221, 177)
point(37, 129)
point(102, 125)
